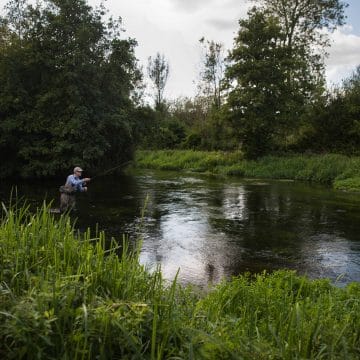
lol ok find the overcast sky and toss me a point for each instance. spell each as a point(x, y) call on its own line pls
point(174, 27)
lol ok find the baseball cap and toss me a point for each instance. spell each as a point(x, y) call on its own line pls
point(77, 168)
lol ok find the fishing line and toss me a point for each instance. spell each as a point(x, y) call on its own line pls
point(112, 169)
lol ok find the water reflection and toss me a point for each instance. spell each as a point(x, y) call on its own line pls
point(211, 228)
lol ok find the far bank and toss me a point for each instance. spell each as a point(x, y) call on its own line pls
point(340, 171)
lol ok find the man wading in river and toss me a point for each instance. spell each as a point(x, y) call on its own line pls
point(73, 184)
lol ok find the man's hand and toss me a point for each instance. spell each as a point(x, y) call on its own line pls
point(85, 188)
point(86, 179)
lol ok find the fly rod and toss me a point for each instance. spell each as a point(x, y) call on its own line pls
point(112, 169)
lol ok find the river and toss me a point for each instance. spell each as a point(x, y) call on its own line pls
point(213, 227)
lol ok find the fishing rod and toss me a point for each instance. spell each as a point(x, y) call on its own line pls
point(112, 169)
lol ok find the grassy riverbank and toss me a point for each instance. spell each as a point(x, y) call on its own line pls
point(340, 171)
point(68, 296)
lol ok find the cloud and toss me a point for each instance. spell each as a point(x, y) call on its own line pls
point(345, 49)
point(192, 5)
point(222, 24)
point(344, 54)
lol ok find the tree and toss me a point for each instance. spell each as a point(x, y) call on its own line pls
point(276, 71)
point(255, 79)
point(301, 20)
point(212, 72)
point(66, 94)
point(158, 70)
point(334, 123)
point(303, 23)
point(16, 14)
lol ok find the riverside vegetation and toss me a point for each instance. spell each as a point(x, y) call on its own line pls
point(70, 80)
point(77, 296)
point(340, 171)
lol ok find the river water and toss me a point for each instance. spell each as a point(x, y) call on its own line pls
point(215, 227)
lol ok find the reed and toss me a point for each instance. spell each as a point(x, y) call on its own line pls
point(338, 170)
point(69, 295)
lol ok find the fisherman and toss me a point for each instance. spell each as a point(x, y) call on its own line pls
point(73, 184)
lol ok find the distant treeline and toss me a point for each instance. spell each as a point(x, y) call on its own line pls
point(71, 90)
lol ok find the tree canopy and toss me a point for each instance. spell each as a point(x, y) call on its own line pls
point(66, 82)
point(276, 69)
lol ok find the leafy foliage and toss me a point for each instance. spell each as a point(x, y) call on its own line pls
point(334, 124)
point(67, 79)
point(256, 80)
point(275, 72)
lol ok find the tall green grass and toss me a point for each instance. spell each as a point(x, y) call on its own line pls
point(341, 171)
point(185, 159)
point(65, 295)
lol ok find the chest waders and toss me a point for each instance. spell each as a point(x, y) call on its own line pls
point(67, 198)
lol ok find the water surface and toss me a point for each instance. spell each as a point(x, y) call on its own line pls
point(215, 227)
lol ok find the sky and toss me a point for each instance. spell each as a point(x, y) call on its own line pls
point(174, 27)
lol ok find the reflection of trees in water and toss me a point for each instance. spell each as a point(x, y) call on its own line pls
point(252, 215)
point(215, 228)
point(240, 228)
point(233, 228)
point(275, 226)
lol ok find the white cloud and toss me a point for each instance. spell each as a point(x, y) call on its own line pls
point(344, 54)
point(174, 27)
